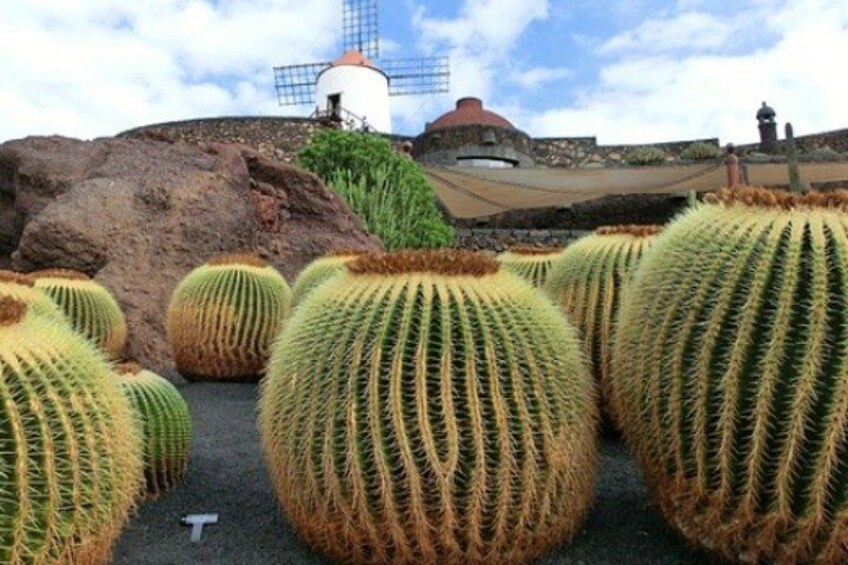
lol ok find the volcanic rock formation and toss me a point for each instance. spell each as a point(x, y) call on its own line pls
point(139, 214)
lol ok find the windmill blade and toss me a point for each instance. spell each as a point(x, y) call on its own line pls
point(296, 83)
point(425, 75)
point(361, 27)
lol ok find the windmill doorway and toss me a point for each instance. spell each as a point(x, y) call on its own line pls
point(334, 106)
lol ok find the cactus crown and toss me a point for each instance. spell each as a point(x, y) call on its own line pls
point(636, 230)
point(128, 367)
point(528, 250)
point(770, 198)
point(11, 311)
point(66, 274)
point(16, 278)
point(346, 253)
point(450, 262)
point(248, 259)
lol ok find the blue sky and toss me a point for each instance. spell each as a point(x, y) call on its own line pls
point(626, 71)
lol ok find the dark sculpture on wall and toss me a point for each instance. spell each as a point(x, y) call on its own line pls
point(768, 128)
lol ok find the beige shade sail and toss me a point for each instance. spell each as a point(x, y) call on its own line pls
point(475, 192)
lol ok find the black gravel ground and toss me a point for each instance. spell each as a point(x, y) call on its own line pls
point(227, 477)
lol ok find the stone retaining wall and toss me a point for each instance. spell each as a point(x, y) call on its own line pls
point(498, 241)
point(584, 152)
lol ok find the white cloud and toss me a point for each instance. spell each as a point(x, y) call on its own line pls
point(88, 68)
point(653, 97)
point(691, 31)
point(534, 77)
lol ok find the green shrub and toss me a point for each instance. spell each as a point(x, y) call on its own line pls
point(642, 156)
point(388, 191)
point(824, 153)
point(701, 151)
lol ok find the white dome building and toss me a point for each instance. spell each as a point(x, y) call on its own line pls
point(353, 89)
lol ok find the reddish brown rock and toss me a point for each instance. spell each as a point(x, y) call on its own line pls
point(139, 214)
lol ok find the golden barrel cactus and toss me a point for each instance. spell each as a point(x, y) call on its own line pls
point(90, 308)
point(319, 271)
point(426, 407)
point(70, 468)
point(533, 264)
point(731, 375)
point(22, 287)
point(587, 281)
point(165, 423)
point(223, 317)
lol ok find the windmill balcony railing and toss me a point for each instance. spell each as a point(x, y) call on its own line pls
point(342, 118)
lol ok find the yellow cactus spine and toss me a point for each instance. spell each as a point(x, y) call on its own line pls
point(319, 271)
point(89, 307)
point(165, 423)
point(533, 264)
point(223, 317)
point(70, 467)
point(731, 373)
point(429, 408)
point(587, 281)
point(22, 287)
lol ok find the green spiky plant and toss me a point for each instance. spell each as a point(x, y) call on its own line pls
point(165, 423)
point(533, 264)
point(320, 270)
point(792, 161)
point(90, 308)
point(587, 281)
point(70, 468)
point(430, 408)
point(731, 375)
point(22, 287)
point(223, 317)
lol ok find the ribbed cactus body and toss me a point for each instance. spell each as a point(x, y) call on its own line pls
point(319, 271)
point(22, 287)
point(731, 373)
point(587, 282)
point(427, 408)
point(70, 467)
point(223, 317)
point(533, 264)
point(165, 424)
point(90, 308)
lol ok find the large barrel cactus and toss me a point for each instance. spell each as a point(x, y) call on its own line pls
point(530, 263)
point(223, 317)
point(731, 372)
point(319, 271)
point(428, 408)
point(70, 468)
point(90, 308)
point(587, 282)
point(22, 287)
point(165, 424)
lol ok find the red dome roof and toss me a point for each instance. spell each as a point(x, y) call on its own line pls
point(469, 112)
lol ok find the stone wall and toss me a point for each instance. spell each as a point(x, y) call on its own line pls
point(584, 152)
point(499, 240)
point(835, 139)
point(276, 138)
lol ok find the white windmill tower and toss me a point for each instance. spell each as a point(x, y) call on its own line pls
point(352, 90)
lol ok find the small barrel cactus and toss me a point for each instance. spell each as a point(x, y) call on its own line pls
point(163, 418)
point(425, 407)
point(319, 271)
point(223, 317)
point(22, 287)
point(71, 468)
point(731, 374)
point(533, 264)
point(587, 282)
point(90, 308)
